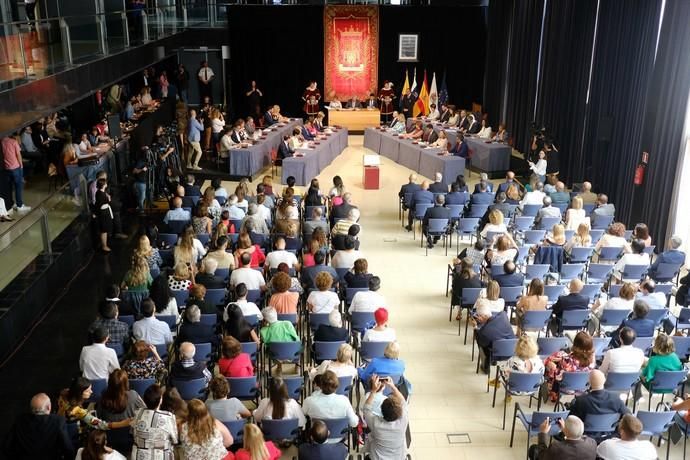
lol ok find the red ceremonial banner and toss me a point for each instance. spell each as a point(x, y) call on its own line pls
point(351, 44)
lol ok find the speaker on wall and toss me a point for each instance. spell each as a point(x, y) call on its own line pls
point(225, 50)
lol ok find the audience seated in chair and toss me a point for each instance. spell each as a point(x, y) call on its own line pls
point(369, 300)
point(276, 331)
point(625, 358)
point(118, 332)
point(150, 329)
point(573, 444)
point(222, 408)
point(489, 329)
point(333, 331)
point(421, 196)
point(597, 401)
point(580, 358)
point(387, 437)
point(193, 330)
point(186, 368)
point(177, 213)
point(279, 405)
point(317, 448)
point(327, 404)
point(638, 322)
point(628, 445)
point(511, 277)
point(381, 332)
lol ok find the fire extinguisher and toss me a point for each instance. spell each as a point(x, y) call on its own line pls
point(639, 174)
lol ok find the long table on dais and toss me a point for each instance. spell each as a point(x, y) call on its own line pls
point(308, 162)
point(249, 161)
point(354, 119)
point(427, 161)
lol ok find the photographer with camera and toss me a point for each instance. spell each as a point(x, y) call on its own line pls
point(387, 436)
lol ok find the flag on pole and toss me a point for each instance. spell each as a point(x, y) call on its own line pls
point(421, 106)
point(413, 90)
point(443, 94)
point(433, 93)
point(405, 87)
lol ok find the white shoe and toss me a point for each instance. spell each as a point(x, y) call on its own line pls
point(189, 166)
point(23, 208)
point(196, 168)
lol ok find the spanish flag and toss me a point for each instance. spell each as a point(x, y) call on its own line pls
point(421, 107)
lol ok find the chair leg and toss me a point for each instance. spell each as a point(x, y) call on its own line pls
point(505, 406)
point(493, 403)
point(467, 322)
point(512, 430)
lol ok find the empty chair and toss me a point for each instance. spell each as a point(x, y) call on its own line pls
point(535, 320)
point(643, 343)
point(254, 295)
point(501, 350)
point(190, 389)
point(532, 423)
point(181, 296)
point(609, 253)
point(511, 294)
point(547, 223)
point(602, 222)
point(467, 226)
point(215, 296)
point(455, 212)
point(140, 385)
point(656, 424)
point(280, 430)
point(203, 238)
point(574, 320)
point(682, 345)
point(523, 223)
point(169, 239)
point(581, 255)
point(284, 352)
point(252, 349)
point(599, 273)
point(223, 273)
point(295, 385)
point(536, 271)
point(601, 424)
point(621, 382)
point(371, 350)
point(236, 429)
point(572, 384)
point(209, 319)
point(665, 382)
point(316, 320)
point(657, 315)
point(325, 350)
point(570, 271)
point(666, 272)
point(615, 290)
point(531, 209)
point(522, 256)
point(553, 292)
point(98, 386)
point(600, 346)
point(419, 211)
point(612, 317)
point(588, 208)
point(633, 273)
point(244, 388)
point(361, 320)
point(438, 228)
point(534, 236)
point(350, 293)
point(596, 235)
point(592, 291)
point(550, 345)
point(345, 385)
point(170, 320)
point(469, 297)
point(523, 384)
point(477, 210)
point(128, 319)
point(203, 351)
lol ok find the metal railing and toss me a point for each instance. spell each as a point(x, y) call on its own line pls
point(33, 233)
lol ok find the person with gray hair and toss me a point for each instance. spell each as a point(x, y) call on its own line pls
point(484, 179)
point(673, 255)
point(438, 211)
point(342, 210)
point(548, 210)
point(574, 446)
point(236, 213)
point(38, 434)
point(343, 225)
point(438, 186)
point(316, 220)
point(207, 274)
point(186, 368)
point(193, 330)
point(536, 196)
point(254, 221)
point(333, 331)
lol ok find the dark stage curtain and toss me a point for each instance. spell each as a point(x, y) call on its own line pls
point(522, 69)
point(663, 124)
point(281, 47)
point(497, 41)
point(566, 57)
point(451, 38)
point(623, 60)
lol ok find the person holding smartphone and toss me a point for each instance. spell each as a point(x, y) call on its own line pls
point(387, 437)
point(573, 446)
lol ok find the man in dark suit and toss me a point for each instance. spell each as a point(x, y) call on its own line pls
point(309, 273)
point(597, 401)
point(510, 179)
point(333, 331)
point(186, 368)
point(439, 211)
point(481, 197)
point(445, 114)
point(207, 276)
point(353, 103)
point(419, 197)
point(438, 186)
point(269, 119)
point(464, 122)
point(112, 294)
point(484, 179)
point(639, 323)
point(38, 435)
point(305, 132)
point(411, 187)
point(190, 188)
point(473, 125)
point(317, 448)
point(491, 328)
point(572, 301)
point(433, 136)
point(456, 196)
point(574, 446)
point(673, 256)
point(284, 150)
point(407, 102)
point(193, 331)
point(511, 278)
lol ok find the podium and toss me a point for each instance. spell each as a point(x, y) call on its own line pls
point(370, 172)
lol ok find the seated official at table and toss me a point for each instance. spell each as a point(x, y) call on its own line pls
point(441, 142)
point(285, 150)
point(416, 133)
point(318, 121)
point(473, 125)
point(271, 116)
point(335, 103)
point(85, 149)
point(296, 140)
point(501, 135)
point(353, 103)
point(454, 118)
point(371, 102)
point(226, 143)
point(433, 112)
point(461, 149)
point(445, 114)
point(399, 127)
point(485, 132)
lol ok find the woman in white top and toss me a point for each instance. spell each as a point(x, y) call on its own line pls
point(539, 168)
point(217, 122)
point(613, 238)
point(495, 224)
point(324, 300)
point(624, 301)
point(525, 358)
point(96, 448)
point(381, 332)
point(503, 249)
point(575, 215)
point(637, 257)
point(454, 117)
point(341, 367)
point(485, 132)
point(279, 405)
point(441, 142)
point(581, 238)
point(490, 298)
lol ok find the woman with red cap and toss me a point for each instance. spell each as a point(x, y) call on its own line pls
point(381, 332)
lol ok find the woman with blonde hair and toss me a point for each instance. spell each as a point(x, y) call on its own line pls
point(575, 215)
point(189, 249)
point(202, 437)
point(138, 277)
point(341, 367)
point(495, 223)
point(557, 237)
point(201, 222)
point(151, 254)
point(181, 279)
point(663, 359)
point(255, 448)
point(534, 300)
point(513, 194)
point(581, 238)
point(490, 298)
point(525, 358)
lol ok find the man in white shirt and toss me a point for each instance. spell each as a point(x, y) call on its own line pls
point(97, 361)
point(628, 447)
point(205, 76)
point(248, 308)
point(326, 404)
point(387, 431)
point(625, 358)
point(655, 300)
point(149, 328)
point(369, 300)
point(536, 196)
point(252, 279)
point(279, 255)
point(236, 213)
point(346, 257)
point(637, 257)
